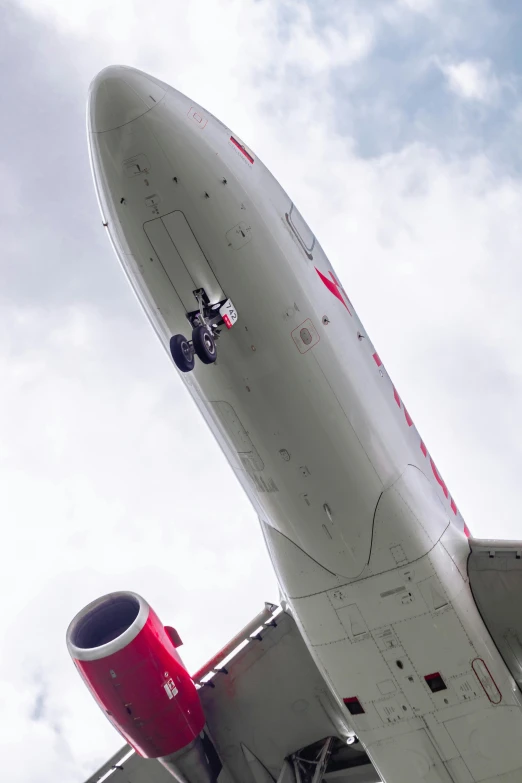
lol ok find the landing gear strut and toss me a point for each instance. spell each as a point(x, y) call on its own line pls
point(205, 322)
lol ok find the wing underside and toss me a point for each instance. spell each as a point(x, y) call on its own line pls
point(269, 717)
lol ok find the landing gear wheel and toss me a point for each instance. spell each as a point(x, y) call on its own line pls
point(204, 344)
point(182, 353)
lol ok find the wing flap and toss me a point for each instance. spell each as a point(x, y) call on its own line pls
point(495, 576)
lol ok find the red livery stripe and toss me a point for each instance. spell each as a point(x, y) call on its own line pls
point(240, 147)
point(409, 421)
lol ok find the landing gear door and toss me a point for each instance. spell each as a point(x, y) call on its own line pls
point(182, 259)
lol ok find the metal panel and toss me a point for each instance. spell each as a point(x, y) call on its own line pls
point(416, 753)
point(238, 435)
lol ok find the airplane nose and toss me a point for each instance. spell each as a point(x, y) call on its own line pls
point(118, 95)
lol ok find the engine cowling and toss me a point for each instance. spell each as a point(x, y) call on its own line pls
point(129, 662)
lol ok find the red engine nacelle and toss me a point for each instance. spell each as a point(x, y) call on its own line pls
point(130, 664)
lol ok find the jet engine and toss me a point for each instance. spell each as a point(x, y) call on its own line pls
point(130, 664)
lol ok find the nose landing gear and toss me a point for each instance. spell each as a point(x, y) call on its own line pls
point(204, 344)
point(182, 352)
point(205, 331)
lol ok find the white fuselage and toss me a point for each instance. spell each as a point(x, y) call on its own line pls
point(367, 543)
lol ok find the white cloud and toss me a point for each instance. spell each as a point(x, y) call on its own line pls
point(472, 80)
point(313, 52)
point(99, 496)
point(419, 6)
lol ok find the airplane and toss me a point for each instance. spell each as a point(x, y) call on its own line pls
point(396, 652)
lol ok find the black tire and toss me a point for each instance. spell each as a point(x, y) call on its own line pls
point(182, 353)
point(204, 345)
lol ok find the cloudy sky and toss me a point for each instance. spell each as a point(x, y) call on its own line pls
point(395, 125)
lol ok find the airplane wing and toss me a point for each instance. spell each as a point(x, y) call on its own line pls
point(269, 715)
point(495, 577)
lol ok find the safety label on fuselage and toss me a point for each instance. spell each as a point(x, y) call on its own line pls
point(228, 313)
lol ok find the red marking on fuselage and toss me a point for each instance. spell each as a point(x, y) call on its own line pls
point(438, 478)
point(486, 680)
point(409, 421)
point(240, 147)
point(334, 287)
point(354, 705)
